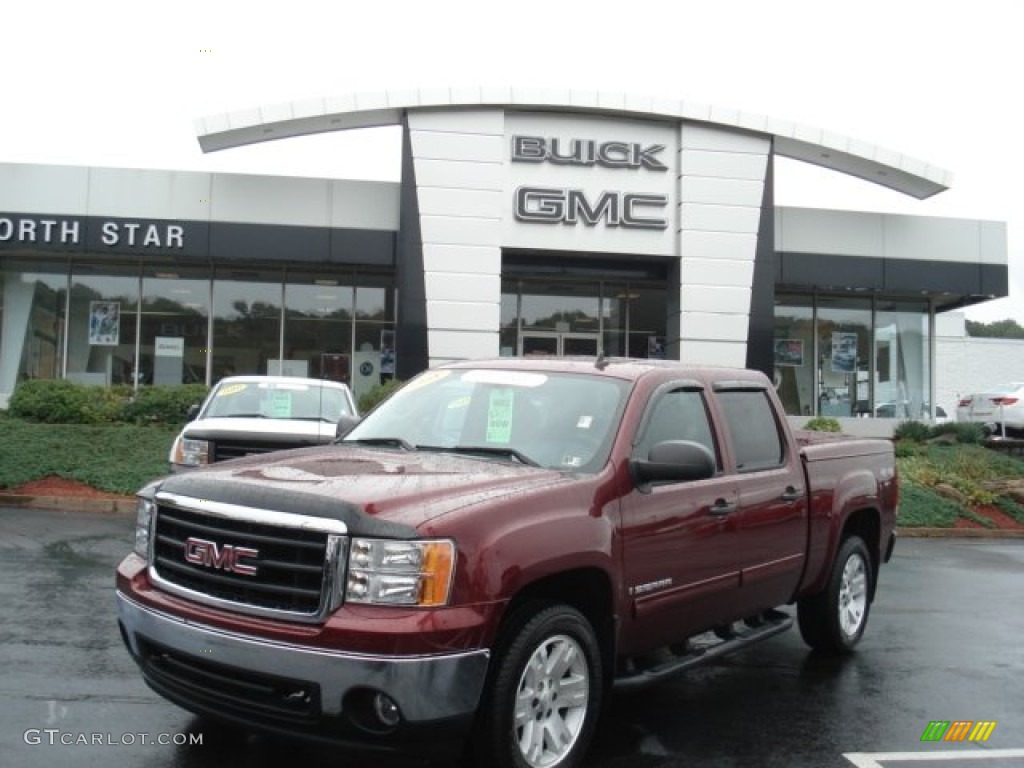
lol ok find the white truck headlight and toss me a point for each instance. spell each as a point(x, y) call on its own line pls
point(389, 572)
point(143, 526)
point(189, 452)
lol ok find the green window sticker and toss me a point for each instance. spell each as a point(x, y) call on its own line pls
point(499, 416)
point(280, 404)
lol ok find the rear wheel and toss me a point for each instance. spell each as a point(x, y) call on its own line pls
point(543, 701)
point(834, 620)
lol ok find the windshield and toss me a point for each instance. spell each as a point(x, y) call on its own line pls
point(555, 420)
point(276, 400)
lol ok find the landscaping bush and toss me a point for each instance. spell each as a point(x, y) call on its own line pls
point(59, 401)
point(966, 432)
point(378, 394)
point(162, 404)
point(823, 424)
point(915, 431)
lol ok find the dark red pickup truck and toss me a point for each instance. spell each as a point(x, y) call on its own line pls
point(495, 548)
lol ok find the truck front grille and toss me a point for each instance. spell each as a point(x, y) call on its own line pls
point(243, 563)
point(223, 449)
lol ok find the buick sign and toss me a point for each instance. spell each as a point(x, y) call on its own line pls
point(586, 152)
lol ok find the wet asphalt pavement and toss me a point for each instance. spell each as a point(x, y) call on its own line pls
point(945, 641)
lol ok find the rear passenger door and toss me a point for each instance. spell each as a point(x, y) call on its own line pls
point(769, 526)
point(680, 575)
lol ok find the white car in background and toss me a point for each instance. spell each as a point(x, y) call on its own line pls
point(998, 406)
point(257, 414)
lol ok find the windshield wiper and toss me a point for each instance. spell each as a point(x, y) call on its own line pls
point(391, 442)
point(490, 450)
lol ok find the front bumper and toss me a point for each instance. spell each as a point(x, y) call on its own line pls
point(301, 691)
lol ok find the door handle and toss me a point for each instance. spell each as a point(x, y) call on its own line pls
point(720, 508)
point(791, 494)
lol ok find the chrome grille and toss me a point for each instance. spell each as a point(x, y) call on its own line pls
point(253, 561)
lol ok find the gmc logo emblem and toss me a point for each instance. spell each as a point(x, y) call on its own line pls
point(569, 206)
point(225, 557)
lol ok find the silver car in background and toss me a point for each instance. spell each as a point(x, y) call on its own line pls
point(243, 415)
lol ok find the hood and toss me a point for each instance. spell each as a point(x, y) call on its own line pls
point(299, 430)
point(374, 491)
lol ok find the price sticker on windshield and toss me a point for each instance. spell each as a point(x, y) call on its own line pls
point(499, 416)
point(280, 404)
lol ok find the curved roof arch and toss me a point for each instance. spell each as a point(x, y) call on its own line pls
point(385, 108)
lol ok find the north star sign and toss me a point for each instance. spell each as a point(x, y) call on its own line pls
point(551, 205)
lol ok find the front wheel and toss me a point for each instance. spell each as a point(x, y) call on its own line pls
point(834, 620)
point(542, 705)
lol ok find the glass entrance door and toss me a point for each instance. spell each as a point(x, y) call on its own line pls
point(558, 344)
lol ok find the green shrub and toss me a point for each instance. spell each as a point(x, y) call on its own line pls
point(378, 394)
point(915, 431)
point(823, 424)
point(162, 404)
point(966, 432)
point(904, 449)
point(58, 401)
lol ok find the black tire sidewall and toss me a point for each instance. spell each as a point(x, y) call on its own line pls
point(496, 744)
point(819, 615)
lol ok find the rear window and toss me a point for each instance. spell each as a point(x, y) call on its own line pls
point(753, 430)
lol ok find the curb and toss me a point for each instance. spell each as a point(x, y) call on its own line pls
point(959, 533)
point(111, 506)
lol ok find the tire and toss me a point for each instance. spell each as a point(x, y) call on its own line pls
point(834, 620)
point(541, 706)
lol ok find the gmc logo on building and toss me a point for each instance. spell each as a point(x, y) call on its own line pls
point(224, 557)
point(569, 206)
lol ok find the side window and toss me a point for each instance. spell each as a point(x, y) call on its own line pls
point(678, 415)
point(753, 430)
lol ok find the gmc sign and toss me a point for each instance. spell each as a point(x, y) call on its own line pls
point(569, 206)
point(224, 557)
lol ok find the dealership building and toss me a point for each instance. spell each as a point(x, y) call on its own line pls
point(524, 223)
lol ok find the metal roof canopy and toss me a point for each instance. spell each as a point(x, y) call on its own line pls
point(385, 108)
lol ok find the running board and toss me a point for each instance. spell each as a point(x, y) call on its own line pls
point(775, 622)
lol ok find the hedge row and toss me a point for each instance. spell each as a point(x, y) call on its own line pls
point(58, 401)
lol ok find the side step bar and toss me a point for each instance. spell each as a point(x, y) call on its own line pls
point(774, 623)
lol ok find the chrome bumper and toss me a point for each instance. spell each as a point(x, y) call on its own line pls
point(426, 688)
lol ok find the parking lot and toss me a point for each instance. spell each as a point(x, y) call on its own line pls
point(944, 643)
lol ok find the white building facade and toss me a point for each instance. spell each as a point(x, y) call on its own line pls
point(524, 223)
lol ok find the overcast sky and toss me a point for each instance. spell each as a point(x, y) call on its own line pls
point(113, 83)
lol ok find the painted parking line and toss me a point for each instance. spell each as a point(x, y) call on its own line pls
point(875, 759)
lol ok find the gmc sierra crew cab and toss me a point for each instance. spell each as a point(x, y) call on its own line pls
point(493, 550)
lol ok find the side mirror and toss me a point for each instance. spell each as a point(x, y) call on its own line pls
point(345, 425)
point(192, 412)
point(674, 461)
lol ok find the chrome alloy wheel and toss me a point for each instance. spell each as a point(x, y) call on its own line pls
point(551, 701)
point(853, 595)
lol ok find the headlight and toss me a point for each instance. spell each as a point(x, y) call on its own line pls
point(143, 524)
point(191, 453)
point(388, 572)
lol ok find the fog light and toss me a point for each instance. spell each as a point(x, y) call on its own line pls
point(386, 710)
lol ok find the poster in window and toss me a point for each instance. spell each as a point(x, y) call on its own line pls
point(104, 323)
point(387, 352)
point(789, 352)
point(844, 352)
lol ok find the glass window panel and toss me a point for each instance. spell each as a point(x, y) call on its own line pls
point(794, 353)
point(562, 307)
point(246, 323)
point(175, 322)
point(32, 302)
point(102, 324)
point(318, 325)
point(844, 358)
point(647, 322)
point(509, 331)
point(902, 372)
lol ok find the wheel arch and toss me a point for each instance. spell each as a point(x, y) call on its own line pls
point(866, 523)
